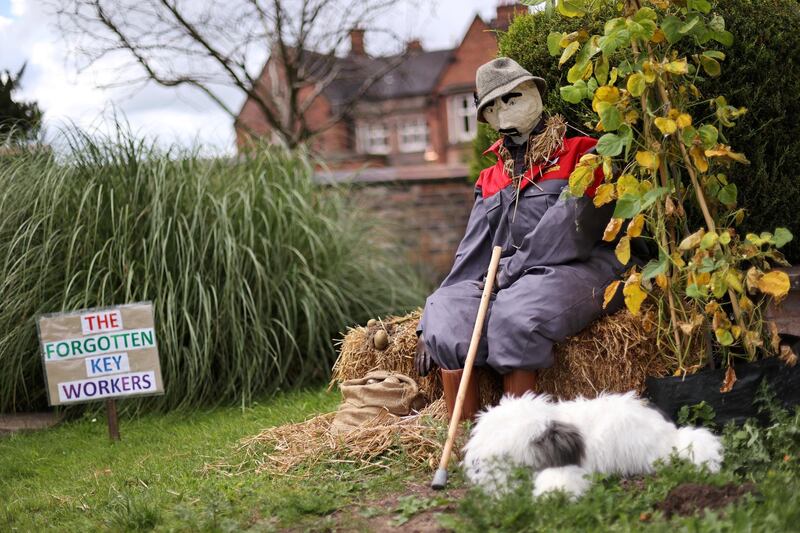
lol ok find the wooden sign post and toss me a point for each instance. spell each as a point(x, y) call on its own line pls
point(101, 354)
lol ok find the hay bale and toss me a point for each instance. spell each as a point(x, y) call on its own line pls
point(418, 438)
point(614, 354)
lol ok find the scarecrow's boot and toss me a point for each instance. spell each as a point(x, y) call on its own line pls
point(450, 381)
point(518, 382)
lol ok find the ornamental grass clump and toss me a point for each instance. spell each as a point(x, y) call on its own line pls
point(253, 268)
point(662, 148)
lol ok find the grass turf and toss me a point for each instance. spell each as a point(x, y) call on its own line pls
point(72, 478)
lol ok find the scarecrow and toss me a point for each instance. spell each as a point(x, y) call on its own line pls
point(555, 265)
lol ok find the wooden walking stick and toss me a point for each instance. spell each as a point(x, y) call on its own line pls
point(440, 477)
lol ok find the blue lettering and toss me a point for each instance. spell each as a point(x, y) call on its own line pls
point(71, 391)
point(115, 385)
point(117, 361)
point(95, 365)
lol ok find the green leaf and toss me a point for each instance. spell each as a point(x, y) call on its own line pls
point(727, 195)
point(711, 66)
point(610, 145)
point(716, 54)
point(693, 291)
point(610, 115)
point(579, 71)
point(571, 8)
point(614, 25)
point(591, 87)
point(552, 42)
point(574, 93)
point(708, 134)
point(609, 43)
point(724, 38)
point(724, 336)
point(656, 267)
point(717, 23)
point(636, 84)
point(652, 195)
point(689, 25)
point(601, 70)
point(781, 237)
point(628, 206)
point(702, 6)
point(644, 30)
point(627, 137)
point(688, 135)
point(645, 13)
point(671, 26)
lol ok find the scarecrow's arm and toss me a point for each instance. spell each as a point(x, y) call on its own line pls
point(475, 249)
point(567, 232)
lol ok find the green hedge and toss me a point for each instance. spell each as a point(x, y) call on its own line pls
point(253, 268)
point(761, 72)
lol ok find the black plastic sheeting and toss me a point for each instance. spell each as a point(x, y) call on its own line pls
point(671, 393)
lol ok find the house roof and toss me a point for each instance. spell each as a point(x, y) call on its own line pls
point(414, 74)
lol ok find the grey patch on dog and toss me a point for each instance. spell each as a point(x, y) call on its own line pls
point(561, 444)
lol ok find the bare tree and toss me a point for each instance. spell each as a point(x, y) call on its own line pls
point(215, 46)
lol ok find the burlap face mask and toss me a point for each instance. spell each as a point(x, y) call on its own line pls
point(517, 112)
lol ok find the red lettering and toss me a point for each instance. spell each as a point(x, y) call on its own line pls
point(112, 320)
point(89, 319)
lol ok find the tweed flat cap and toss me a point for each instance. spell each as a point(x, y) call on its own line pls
point(498, 77)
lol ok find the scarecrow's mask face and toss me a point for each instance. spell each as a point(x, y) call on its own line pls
point(517, 112)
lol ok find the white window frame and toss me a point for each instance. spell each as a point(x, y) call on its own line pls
point(462, 120)
point(412, 134)
point(373, 138)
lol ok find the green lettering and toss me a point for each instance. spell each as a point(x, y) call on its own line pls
point(135, 339)
point(76, 348)
point(89, 345)
point(147, 338)
point(48, 349)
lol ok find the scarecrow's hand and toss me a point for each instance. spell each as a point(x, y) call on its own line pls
point(422, 361)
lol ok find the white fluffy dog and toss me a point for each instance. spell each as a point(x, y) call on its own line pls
point(563, 442)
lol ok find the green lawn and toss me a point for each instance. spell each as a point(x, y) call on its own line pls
point(72, 478)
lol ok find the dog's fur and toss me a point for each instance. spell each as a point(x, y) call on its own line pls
point(563, 442)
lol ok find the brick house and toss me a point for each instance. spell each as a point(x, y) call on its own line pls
point(407, 141)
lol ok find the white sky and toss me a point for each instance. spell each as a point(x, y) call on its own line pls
point(181, 116)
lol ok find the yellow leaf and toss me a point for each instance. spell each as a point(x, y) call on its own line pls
point(661, 281)
point(677, 260)
point(787, 355)
point(580, 179)
point(635, 226)
point(658, 36)
point(613, 227)
point(774, 283)
point(746, 304)
point(631, 116)
point(699, 158)
point(692, 241)
point(649, 72)
point(684, 120)
point(733, 281)
point(608, 169)
point(569, 9)
point(609, 293)
point(604, 194)
point(636, 84)
point(774, 337)
point(626, 184)
point(752, 277)
point(623, 250)
point(634, 295)
point(568, 52)
point(724, 151)
point(730, 379)
point(680, 66)
point(736, 331)
point(667, 126)
point(648, 160)
point(608, 94)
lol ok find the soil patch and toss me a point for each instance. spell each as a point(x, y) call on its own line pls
point(416, 509)
point(689, 498)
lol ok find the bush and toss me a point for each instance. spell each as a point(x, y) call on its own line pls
point(252, 268)
point(761, 72)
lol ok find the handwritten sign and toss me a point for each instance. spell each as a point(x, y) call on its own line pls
point(98, 354)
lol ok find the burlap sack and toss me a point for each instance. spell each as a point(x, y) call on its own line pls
point(373, 398)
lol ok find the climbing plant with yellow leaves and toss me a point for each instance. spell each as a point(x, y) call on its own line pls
point(663, 147)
